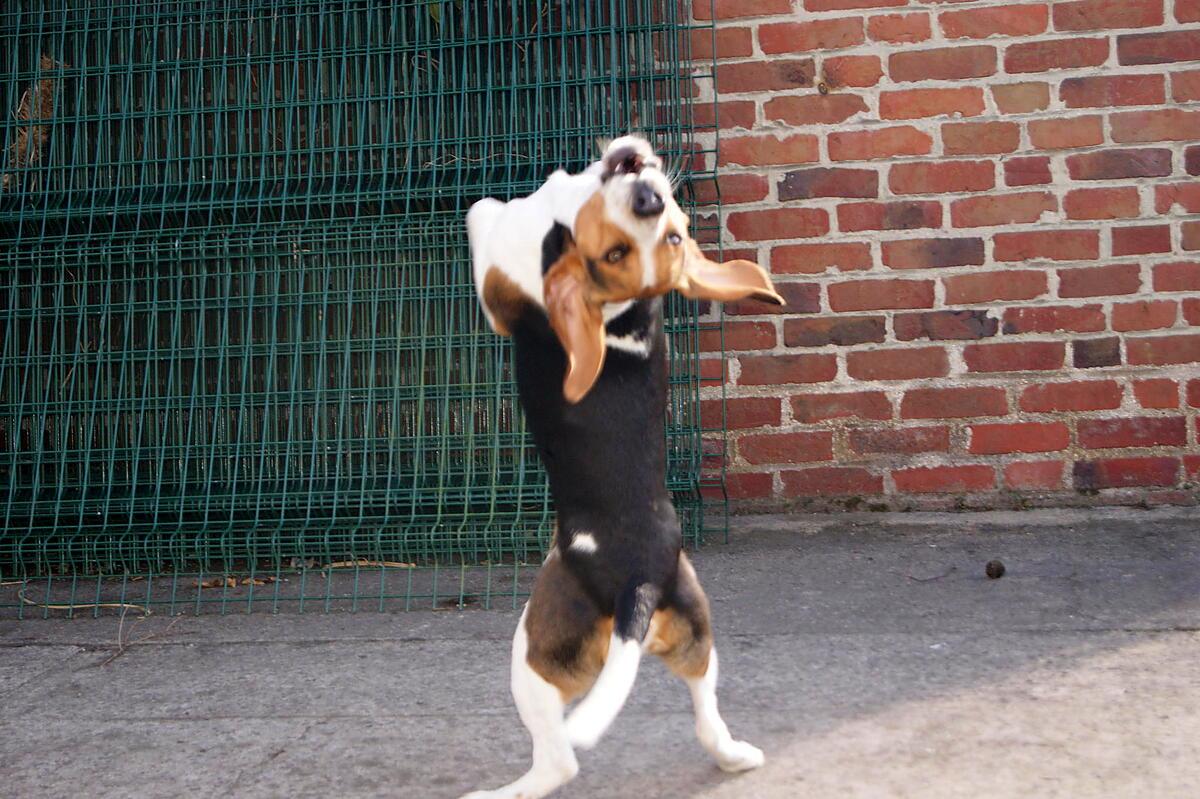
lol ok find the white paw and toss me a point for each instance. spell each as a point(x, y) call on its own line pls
point(739, 756)
point(583, 732)
point(488, 795)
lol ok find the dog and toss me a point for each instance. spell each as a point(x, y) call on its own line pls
point(575, 274)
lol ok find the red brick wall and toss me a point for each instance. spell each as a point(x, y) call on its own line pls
point(986, 218)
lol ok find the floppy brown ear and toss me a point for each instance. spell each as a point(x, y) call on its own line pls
point(702, 279)
point(578, 322)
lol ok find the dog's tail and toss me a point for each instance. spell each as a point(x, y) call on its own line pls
point(588, 721)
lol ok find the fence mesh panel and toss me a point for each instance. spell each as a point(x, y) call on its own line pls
point(242, 359)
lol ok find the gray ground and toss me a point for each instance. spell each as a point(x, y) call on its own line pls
point(866, 654)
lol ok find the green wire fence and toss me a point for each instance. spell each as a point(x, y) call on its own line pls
point(242, 362)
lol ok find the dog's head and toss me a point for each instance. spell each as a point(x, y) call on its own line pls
point(630, 241)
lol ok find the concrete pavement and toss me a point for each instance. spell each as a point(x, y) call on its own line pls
point(867, 654)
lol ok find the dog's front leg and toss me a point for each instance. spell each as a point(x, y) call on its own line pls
point(541, 709)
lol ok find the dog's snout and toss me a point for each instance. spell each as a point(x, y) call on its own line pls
point(646, 201)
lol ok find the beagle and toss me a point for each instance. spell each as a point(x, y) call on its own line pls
point(575, 274)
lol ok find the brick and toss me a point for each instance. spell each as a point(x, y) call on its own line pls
point(1122, 203)
point(1125, 473)
point(932, 253)
point(1092, 395)
point(805, 184)
point(896, 364)
point(1167, 124)
point(1001, 209)
point(1180, 276)
point(739, 336)
point(945, 479)
point(764, 150)
point(1191, 466)
point(906, 215)
point(992, 286)
point(1050, 54)
point(770, 75)
point(734, 189)
point(856, 71)
point(953, 403)
point(1034, 475)
point(811, 408)
point(729, 9)
point(1065, 134)
point(1003, 439)
point(1091, 15)
point(771, 448)
point(1141, 240)
point(814, 109)
point(1007, 20)
point(1027, 171)
point(1156, 393)
point(735, 114)
point(1191, 311)
point(745, 485)
point(866, 145)
point(1190, 238)
point(1193, 393)
point(1163, 350)
point(1159, 48)
point(838, 5)
point(1185, 86)
point(1096, 353)
point(945, 325)
point(830, 481)
point(714, 370)
point(1185, 196)
point(1187, 10)
point(1051, 245)
point(1099, 281)
point(1146, 431)
point(1021, 98)
point(942, 177)
point(899, 28)
point(1103, 91)
point(943, 63)
point(817, 258)
point(1025, 356)
point(1144, 315)
point(727, 43)
point(920, 103)
point(802, 37)
point(778, 223)
point(907, 440)
point(1191, 160)
point(741, 413)
point(772, 370)
point(1119, 164)
point(1053, 319)
point(840, 330)
point(797, 298)
point(874, 295)
point(981, 138)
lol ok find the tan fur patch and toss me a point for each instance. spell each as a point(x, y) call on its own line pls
point(503, 299)
point(595, 237)
point(673, 638)
point(568, 638)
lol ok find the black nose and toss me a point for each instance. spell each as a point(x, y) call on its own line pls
point(646, 201)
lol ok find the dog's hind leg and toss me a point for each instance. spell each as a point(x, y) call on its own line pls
point(540, 706)
point(681, 634)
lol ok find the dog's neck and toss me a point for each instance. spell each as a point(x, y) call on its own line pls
point(605, 455)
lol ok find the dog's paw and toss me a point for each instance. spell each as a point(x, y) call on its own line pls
point(739, 756)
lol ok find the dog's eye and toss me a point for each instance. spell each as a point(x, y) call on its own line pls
point(615, 254)
point(674, 239)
